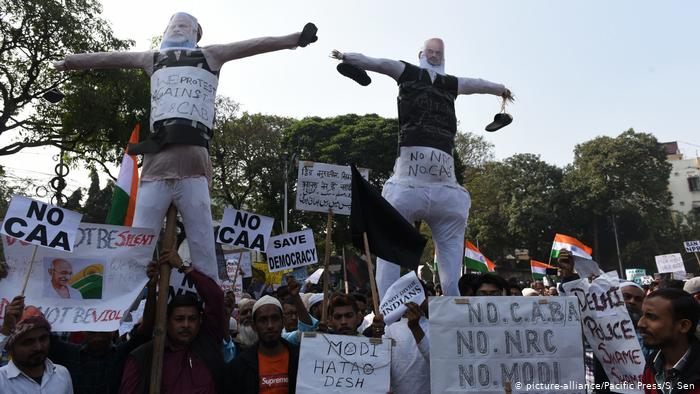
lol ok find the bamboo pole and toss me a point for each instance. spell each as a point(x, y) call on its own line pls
point(326, 275)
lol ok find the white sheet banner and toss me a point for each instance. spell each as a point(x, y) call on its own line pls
point(245, 229)
point(406, 289)
point(483, 344)
point(422, 165)
point(321, 186)
point(41, 224)
point(669, 263)
point(609, 330)
point(87, 290)
point(291, 250)
point(343, 364)
point(183, 92)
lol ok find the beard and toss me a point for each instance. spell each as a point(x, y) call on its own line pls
point(246, 336)
point(424, 63)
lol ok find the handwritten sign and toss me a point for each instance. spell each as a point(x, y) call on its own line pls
point(41, 224)
point(292, 250)
point(406, 289)
point(245, 229)
point(669, 263)
point(485, 344)
point(635, 274)
point(692, 246)
point(609, 330)
point(343, 364)
point(89, 289)
point(423, 165)
point(322, 186)
point(183, 92)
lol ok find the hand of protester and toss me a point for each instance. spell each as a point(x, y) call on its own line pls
point(229, 303)
point(377, 326)
point(336, 54)
point(413, 314)
point(152, 271)
point(322, 326)
point(13, 312)
point(293, 286)
point(3, 270)
point(171, 258)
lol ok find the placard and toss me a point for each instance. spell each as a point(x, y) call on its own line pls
point(406, 289)
point(245, 229)
point(343, 364)
point(183, 92)
point(669, 263)
point(692, 246)
point(321, 186)
point(41, 224)
point(484, 344)
point(291, 250)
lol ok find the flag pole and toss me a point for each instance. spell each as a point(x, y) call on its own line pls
point(169, 242)
point(372, 280)
point(326, 261)
point(345, 274)
point(29, 271)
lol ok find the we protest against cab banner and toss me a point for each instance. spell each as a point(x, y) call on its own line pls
point(485, 344)
point(89, 289)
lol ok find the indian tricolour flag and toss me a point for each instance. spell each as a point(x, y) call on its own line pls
point(475, 260)
point(576, 247)
point(539, 269)
point(124, 198)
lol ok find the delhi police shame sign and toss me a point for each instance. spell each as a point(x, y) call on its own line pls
point(41, 224)
point(343, 364)
point(288, 251)
point(245, 229)
point(487, 344)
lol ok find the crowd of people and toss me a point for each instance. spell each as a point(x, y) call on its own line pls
point(217, 344)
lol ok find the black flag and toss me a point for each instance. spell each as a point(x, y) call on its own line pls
point(390, 236)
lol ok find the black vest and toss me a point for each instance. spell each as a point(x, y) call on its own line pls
point(176, 130)
point(427, 109)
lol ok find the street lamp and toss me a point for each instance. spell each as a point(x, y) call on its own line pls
point(287, 160)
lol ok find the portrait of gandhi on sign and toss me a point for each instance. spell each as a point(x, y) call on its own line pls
point(75, 279)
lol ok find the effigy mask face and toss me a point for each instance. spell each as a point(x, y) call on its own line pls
point(182, 32)
point(432, 55)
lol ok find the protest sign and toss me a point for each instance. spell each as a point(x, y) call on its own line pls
point(635, 274)
point(647, 280)
point(322, 186)
point(291, 250)
point(406, 289)
point(692, 246)
point(486, 344)
point(236, 288)
point(89, 289)
point(315, 277)
point(678, 275)
point(586, 267)
point(609, 330)
point(343, 364)
point(669, 263)
point(41, 224)
point(271, 278)
point(245, 263)
point(244, 229)
point(183, 92)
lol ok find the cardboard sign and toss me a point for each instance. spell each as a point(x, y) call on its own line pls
point(87, 290)
point(291, 250)
point(343, 364)
point(609, 330)
point(183, 92)
point(669, 263)
point(406, 289)
point(322, 186)
point(244, 229)
point(485, 344)
point(635, 274)
point(692, 246)
point(41, 224)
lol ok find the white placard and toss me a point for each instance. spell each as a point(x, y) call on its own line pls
point(423, 165)
point(87, 290)
point(678, 275)
point(41, 224)
point(586, 267)
point(609, 330)
point(669, 263)
point(343, 364)
point(291, 250)
point(692, 246)
point(315, 277)
point(481, 344)
point(635, 274)
point(245, 229)
point(406, 289)
point(183, 92)
point(322, 186)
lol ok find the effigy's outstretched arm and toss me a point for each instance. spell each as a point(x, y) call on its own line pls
point(106, 60)
point(482, 86)
point(392, 68)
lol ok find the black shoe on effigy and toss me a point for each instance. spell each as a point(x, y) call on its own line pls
point(308, 35)
point(499, 121)
point(355, 73)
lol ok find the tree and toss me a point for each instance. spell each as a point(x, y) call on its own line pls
point(472, 152)
point(98, 200)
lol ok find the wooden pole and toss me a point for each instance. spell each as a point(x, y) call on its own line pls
point(345, 274)
point(327, 259)
point(372, 280)
point(29, 271)
point(697, 258)
point(169, 242)
point(238, 268)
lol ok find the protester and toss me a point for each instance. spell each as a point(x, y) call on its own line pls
point(538, 286)
point(565, 270)
point(410, 355)
point(692, 287)
point(552, 291)
point(465, 284)
point(530, 292)
point(289, 312)
point(633, 295)
point(344, 317)
point(489, 285)
point(668, 323)
point(271, 365)
point(246, 333)
point(192, 361)
point(25, 333)
point(514, 288)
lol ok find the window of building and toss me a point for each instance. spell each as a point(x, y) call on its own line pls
point(694, 184)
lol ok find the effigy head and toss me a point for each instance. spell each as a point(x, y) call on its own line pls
point(432, 55)
point(183, 31)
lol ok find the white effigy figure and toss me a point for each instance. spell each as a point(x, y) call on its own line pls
point(423, 185)
point(176, 166)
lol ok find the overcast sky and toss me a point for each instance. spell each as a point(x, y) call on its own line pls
point(579, 69)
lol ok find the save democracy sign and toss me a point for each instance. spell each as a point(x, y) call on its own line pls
point(292, 250)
